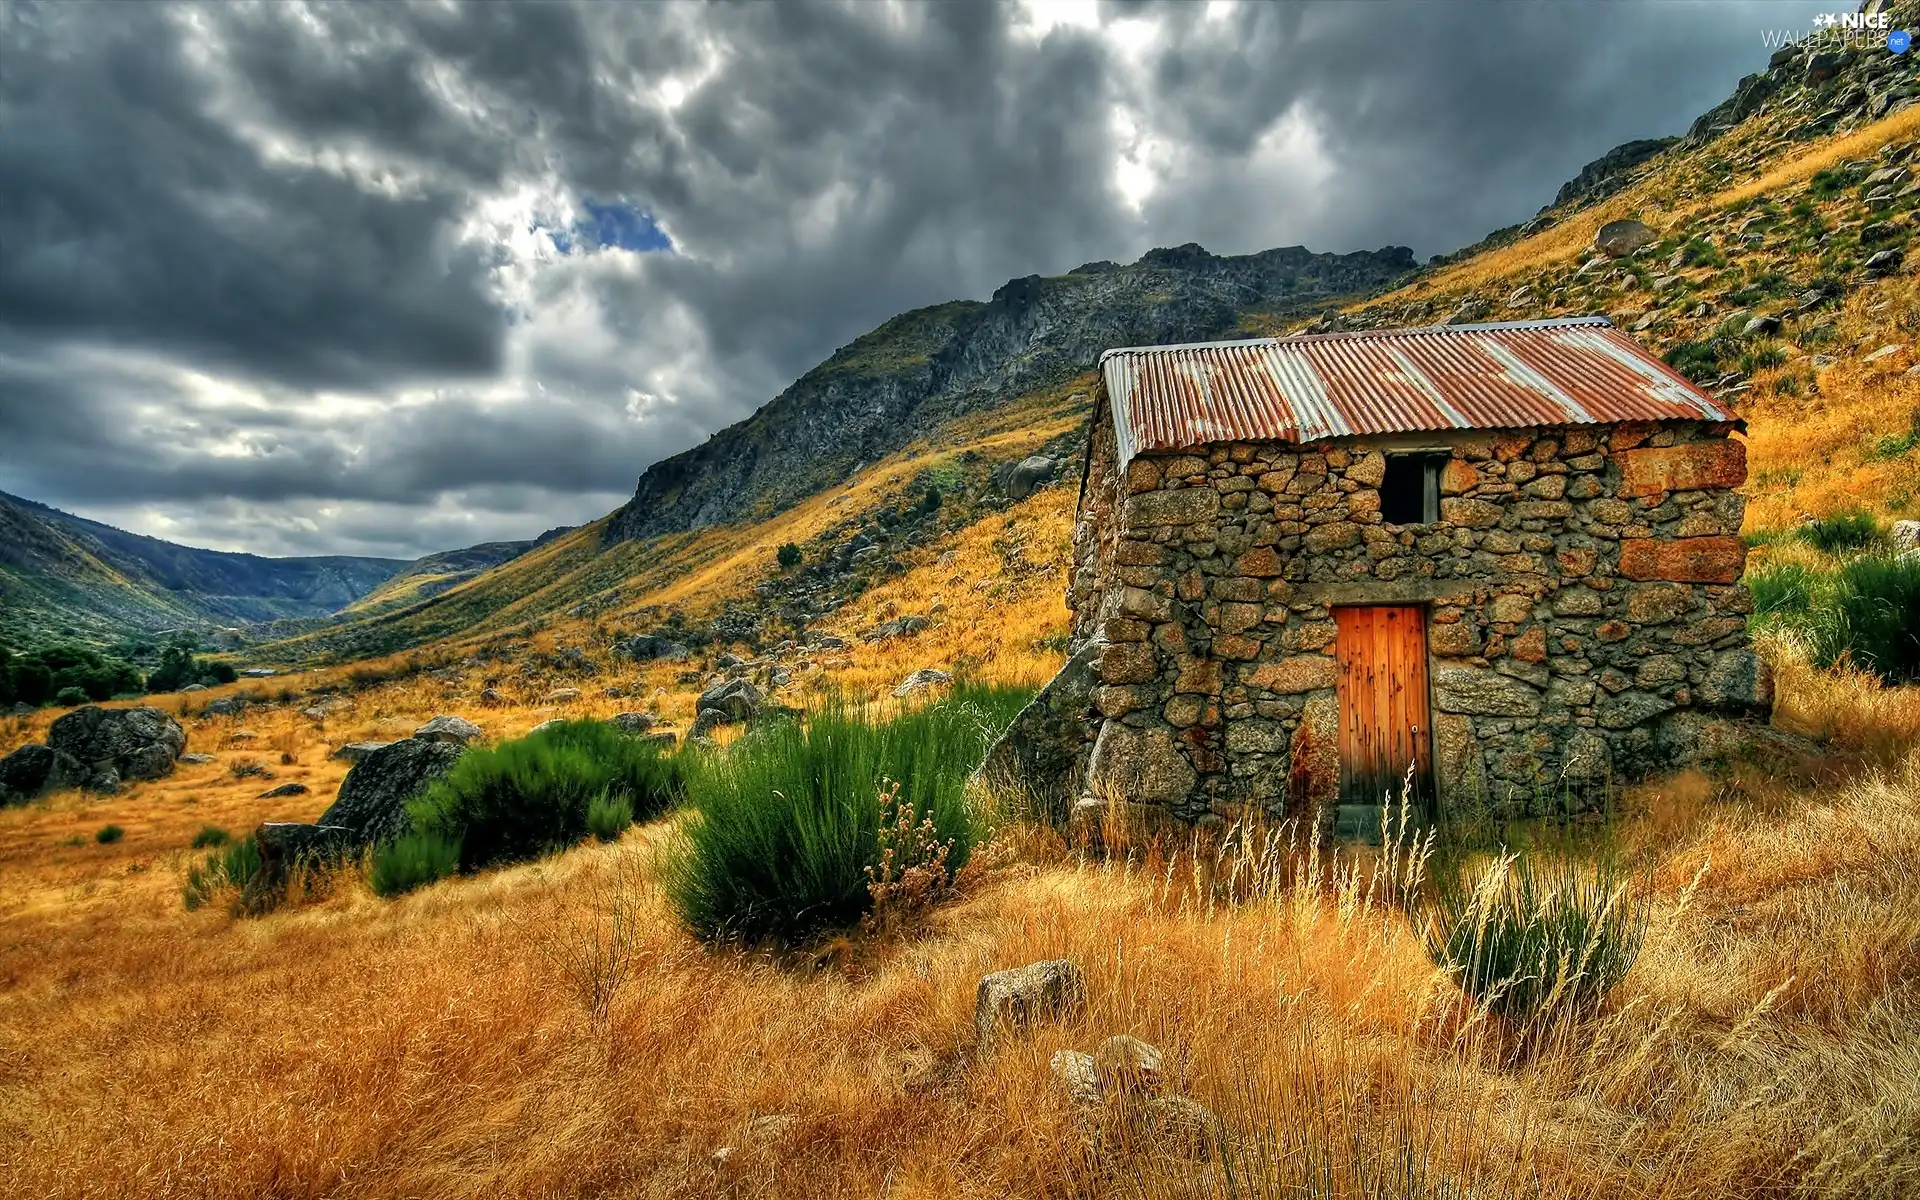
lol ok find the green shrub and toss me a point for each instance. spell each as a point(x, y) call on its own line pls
point(109, 834)
point(930, 503)
point(70, 697)
point(1761, 357)
point(786, 835)
point(210, 835)
point(412, 862)
point(1851, 530)
point(609, 816)
point(230, 867)
point(529, 797)
point(788, 556)
point(1866, 610)
point(1535, 942)
point(1698, 361)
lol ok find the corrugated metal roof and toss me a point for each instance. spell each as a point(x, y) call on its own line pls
point(1565, 371)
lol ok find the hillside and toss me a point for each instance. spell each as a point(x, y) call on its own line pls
point(65, 576)
point(435, 573)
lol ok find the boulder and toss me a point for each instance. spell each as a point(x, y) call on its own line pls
point(1617, 239)
point(734, 699)
point(372, 802)
point(1885, 262)
point(1038, 757)
point(285, 789)
point(635, 722)
point(1182, 1126)
point(355, 751)
point(32, 770)
point(127, 743)
point(922, 680)
point(645, 647)
point(1905, 536)
point(492, 698)
point(551, 723)
point(1078, 1077)
point(1024, 477)
point(226, 706)
point(663, 738)
point(906, 626)
point(1038, 991)
point(1128, 1066)
point(457, 730)
point(196, 760)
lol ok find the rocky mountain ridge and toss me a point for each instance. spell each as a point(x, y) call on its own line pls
point(928, 366)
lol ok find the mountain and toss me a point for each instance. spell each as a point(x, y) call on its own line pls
point(64, 576)
point(929, 366)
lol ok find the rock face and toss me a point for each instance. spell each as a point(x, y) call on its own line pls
point(355, 751)
point(1039, 991)
point(1580, 590)
point(114, 744)
point(923, 367)
point(372, 803)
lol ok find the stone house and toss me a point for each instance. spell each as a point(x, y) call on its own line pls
point(1501, 561)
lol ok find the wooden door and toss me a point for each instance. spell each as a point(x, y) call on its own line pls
point(1384, 723)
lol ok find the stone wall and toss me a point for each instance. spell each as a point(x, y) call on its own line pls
point(1584, 613)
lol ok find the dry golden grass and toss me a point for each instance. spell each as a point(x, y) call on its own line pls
point(1764, 1046)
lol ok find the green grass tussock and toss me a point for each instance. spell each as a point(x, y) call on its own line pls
point(413, 862)
point(1534, 941)
point(786, 835)
point(1866, 610)
point(529, 797)
point(228, 867)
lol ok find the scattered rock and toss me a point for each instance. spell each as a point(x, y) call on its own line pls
point(1884, 352)
point(1078, 1076)
point(547, 724)
point(566, 695)
point(906, 626)
point(1182, 1126)
point(355, 751)
point(196, 760)
point(457, 730)
point(922, 680)
point(1905, 536)
point(244, 735)
point(635, 722)
point(226, 706)
point(1129, 1066)
point(1039, 991)
point(1761, 326)
point(1884, 262)
point(1617, 239)
point(734, 699)
point(492, 698)
point(285, 789)
point(645, 647)
point(125, 743)
point(1026, 476)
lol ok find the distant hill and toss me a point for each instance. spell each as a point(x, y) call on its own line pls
point(429, 576)
point(64, 577)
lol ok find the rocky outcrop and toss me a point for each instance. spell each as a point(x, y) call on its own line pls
point(1037, 761)
point(372, 802)
point(1610, 172)
point(1039, 991)
point(924, 367)
point(457, 730)
point(32, 771)
point(111, 745)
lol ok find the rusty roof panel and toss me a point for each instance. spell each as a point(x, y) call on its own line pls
point(1565, 371)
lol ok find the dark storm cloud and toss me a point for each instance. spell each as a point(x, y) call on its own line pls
point(260, 262)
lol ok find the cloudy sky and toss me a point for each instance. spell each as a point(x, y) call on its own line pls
point(387, 279)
